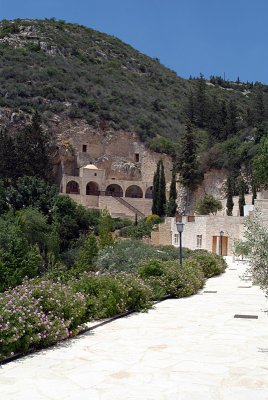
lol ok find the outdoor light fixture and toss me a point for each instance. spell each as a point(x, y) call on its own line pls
point(180, 226)
point(221, 235)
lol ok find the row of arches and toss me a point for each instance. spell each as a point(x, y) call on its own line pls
point(92, 188)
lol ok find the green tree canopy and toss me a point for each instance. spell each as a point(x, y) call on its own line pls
point(17, 257)
point(260, 162)
point(159, 190)
point(87, 254)
point(33, 192)
point(172, 205)
point(229, 193)
point(105, 229)
point(187, 164)
point(208, 205)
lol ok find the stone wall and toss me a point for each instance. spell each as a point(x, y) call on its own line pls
point(162, 235)
point(120, 153)
point(206, 227)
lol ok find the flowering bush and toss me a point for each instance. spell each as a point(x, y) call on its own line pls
point(38, 313)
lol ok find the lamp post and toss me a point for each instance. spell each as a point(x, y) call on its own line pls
point(180, 226)
point(221, 235)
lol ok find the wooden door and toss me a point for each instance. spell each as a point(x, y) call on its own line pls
point(224, 245)
point(214, 244)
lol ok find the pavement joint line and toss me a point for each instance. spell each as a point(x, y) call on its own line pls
point(246, 316)
point(210, 291)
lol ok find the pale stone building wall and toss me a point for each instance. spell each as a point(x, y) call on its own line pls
point(93, 189)
point(202, 233)
point(248, 200)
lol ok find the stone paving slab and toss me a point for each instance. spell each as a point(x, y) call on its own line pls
point(191, 348)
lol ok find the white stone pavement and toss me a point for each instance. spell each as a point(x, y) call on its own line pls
point(190, 348)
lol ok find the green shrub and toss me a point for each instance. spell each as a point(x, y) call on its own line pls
point(38, 313)
point(212, 264)
point(87, 254)
point(139, 231)
point(153, 219)
point(108, 295)
point(126, 255)
point(167, 279)
point(119, 223)
point(18, 258)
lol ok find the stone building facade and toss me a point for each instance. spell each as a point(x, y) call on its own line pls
point(112, 170)
point(122, 197)
point(215, 233)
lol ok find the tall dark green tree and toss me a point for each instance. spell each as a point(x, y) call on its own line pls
point(260, 162)
point(241, 200)
point(159, 190)
point(156, 189)
point(259, 115)
point(229, 193)
point(254, 191)
point(162, 192)
point(3, 199)
point(8, 157)
point(33, 150)
point(201, 102)
point(190, 108)
point(187, 164)
point(259, 107)
point(172, 205)
point(232, 116)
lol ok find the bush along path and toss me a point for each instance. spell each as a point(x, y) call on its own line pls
point(41, 312)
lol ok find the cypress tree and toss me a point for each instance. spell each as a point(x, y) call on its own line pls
point(8, 159)
point(229, 203)
point(231, 123)
point(87, 254)
point(190, 108)
point(32, 148)
point(201, 102)
point(159, 190)
point(241, 201)
point(172, 205)
point(105, 229)
point(254, 192)
point(161, 204)
point(259, 115)
point(187, 162)
point(156, 189)
point(259, 107)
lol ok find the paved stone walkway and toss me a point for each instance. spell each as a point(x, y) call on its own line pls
point(191, 348)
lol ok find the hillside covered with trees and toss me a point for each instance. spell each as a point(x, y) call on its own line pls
point(67, 70)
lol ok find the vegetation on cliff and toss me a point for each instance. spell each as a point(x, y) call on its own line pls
point(71, 71)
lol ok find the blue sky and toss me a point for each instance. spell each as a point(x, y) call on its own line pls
point(189, 36)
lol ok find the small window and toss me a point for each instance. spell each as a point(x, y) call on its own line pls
point(84, 148)
point(176, 238)
point(199, 241)
point(95, 173)
point(137, 157)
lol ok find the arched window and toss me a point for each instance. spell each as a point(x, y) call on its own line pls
point(149, 193)
point(92, 189)
point(114, 190)
point(134, 191)
point(72, 188)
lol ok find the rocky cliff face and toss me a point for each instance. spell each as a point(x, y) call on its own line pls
point(74, 143)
